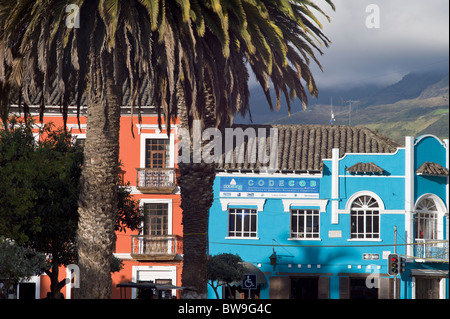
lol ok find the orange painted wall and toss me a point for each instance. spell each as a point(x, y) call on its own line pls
point(130, 158)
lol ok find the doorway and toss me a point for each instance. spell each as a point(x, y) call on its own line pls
point(304, 287)
point(359, 289)
point(427, 288)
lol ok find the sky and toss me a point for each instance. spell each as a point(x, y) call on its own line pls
point(411, 36)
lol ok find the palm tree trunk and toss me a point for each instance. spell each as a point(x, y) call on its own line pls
point(196, 186)
point(98, 200)
point(195, 181)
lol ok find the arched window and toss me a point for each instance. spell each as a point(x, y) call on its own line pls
point(426, 220)
point(365, 218)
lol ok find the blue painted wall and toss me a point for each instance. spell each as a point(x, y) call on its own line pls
point(333, 256)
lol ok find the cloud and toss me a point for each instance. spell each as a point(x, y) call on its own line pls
point(413, 35)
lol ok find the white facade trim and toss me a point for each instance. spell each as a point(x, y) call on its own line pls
point(428, 135)
point(258, 202)
point(409, 193)
point(367, 193)
point(335, 186)
point(145, 136)
point(368, 154)
point(322, 203)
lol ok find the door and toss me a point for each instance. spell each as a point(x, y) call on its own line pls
point(156, 228)
point(157, 153)
point(279, 287)
point(427, 288)
point(304, 287)
point(27, 290)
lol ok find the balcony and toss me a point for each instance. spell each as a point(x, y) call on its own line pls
point(156, 180)
point(149, 247)
point(431, 250)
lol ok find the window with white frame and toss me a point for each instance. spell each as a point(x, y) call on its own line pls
point(157, 153)
point(242, 222)
point(156, 219)
point(426, 220)
point(365, 218)
point(305, 223)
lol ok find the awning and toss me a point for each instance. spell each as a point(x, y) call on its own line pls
point(429, 272)
point(365, 168)
point(146, 285)
point(432, 169)
point(252, 270)
point(132, 284)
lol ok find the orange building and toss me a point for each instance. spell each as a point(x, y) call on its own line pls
point(149, 165)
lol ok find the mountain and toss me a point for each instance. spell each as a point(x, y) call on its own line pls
point(417, 104)
point(409, 87)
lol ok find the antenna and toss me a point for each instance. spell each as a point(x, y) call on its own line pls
point(350, 109)
point(331, 114)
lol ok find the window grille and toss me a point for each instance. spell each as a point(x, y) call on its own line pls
point(305, 223)
point(365, 218)
point(242, 222)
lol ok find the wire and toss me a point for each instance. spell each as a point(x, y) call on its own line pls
point(328, 246)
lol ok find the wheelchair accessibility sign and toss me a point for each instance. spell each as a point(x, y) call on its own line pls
point(249, 282)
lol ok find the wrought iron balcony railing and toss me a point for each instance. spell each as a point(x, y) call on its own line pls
point(156, 180)
point(163, 247)
point(431, 250)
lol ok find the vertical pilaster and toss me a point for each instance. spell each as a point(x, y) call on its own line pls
point(409, 193)
point(335, 186)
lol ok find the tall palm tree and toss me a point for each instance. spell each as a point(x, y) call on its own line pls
point(194, 54)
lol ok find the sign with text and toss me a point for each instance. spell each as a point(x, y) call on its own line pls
point(240, 186)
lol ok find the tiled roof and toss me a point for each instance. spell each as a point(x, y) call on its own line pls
point(432, 169)
point(303, 147)
point(365, 168)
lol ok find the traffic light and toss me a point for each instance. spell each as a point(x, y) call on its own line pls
point(393, 264)
point(402, 264)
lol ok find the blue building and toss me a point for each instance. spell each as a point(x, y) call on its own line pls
point(322, 221)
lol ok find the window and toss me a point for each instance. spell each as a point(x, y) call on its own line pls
point(80, 141)
point(242, 222)
point(155, 219)
point(426, 220)
point(305, 223)
point(157, 153)
point(365, 218)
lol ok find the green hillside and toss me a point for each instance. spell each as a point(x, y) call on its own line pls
point(427, 113)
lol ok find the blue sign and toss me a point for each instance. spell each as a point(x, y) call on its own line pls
point(301, 187)
point(249, 282)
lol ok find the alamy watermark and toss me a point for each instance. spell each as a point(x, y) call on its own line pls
point(73, 17)
point(373, 280)
point(230, 146)
point(373, 19)
point(73, 276)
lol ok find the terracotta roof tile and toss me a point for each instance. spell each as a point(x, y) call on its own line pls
point(432, 169)
point(365, 168)
point(303, 147)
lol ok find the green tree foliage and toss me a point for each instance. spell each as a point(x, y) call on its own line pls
point(19, 171)
point(39, 195)
point(223, 269)
point(17, 263)
point(195, 57)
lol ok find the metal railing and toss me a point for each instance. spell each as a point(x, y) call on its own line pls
point(156, 247)
point(156, 180)
point(433, 250)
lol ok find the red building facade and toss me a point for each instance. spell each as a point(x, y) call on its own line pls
point(153, 255)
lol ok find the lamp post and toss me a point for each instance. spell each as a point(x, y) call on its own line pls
point(273, 259)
